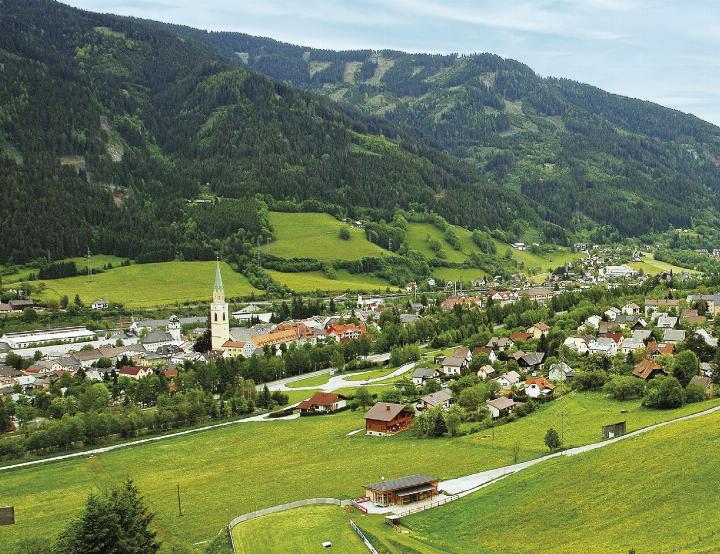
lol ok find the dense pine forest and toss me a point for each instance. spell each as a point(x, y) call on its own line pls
point(120, 135)
point(588, 156)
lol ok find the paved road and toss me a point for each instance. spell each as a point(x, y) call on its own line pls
point(280, 383)
point(342, 381)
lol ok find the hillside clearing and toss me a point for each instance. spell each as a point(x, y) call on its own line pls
point(145, 285)
point(310, 281)
point(317, 235)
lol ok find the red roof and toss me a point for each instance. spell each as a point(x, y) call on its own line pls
point(542, 326)
point(321, 399)
point(132, 370)
point(520, 336)
point(617, 337)
point(233, 344)
point(540, 382)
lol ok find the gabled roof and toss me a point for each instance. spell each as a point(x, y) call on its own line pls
point(520, 336)
point(675, 335)
point(438, 397)
point(402, 483)
point(453, 361)
point(321, 399)
point(501, 403)
point(384, 411)
point(646, 368)
point(424, 372)
point(542, 326)
point(132, 370)
point(541, 382)
point(533, 358)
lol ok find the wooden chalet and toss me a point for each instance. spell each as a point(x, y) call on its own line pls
point(402, 491)
point(385, 418)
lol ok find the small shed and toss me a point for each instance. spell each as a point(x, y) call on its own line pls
point(7, 515)
point(614, 430)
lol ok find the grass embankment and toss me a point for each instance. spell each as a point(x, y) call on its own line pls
point(311, 281)
point(245, 467)
point(317, 235)
point(300, 531)
point(98, 261)
point(651, 493)
point(146, 285)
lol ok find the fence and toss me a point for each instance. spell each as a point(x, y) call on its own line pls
point(362, 536)
point(430, 505)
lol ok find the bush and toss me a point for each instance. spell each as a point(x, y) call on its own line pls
point(624, 388)
point(664, 392)
point(345, 233)
point(589, 380)
point(694, 393)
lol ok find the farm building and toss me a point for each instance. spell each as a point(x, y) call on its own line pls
point(647, 369)
point(387, 419)
point(402, 491)
point(28, 339)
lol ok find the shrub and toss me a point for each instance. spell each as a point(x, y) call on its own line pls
point(344, 233)
point(624, 388)
point(694, 393)
point(664, 392)
point(589, 380)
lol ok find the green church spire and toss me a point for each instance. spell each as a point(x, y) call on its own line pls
point(218, 277)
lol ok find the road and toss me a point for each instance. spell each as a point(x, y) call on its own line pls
point(338, 381)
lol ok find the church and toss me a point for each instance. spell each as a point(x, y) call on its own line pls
point(219, 314)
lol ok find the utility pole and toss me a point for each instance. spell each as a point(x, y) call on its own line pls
point(178, 498)
point(89, 269)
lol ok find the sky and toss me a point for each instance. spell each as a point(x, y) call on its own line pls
point(666, 51)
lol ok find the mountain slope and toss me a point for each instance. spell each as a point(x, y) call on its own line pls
point(108, 126)
point(583, 153)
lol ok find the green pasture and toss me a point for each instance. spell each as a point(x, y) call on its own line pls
point(310, 281)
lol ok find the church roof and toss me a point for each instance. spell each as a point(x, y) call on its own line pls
point(218, 277)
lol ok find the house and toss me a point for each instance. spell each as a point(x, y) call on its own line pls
point(486, 372)
point(134, 372)
point(386, 418)
point(100, 304)
point(705, 382)
point(618, 271)
point(489, 352)
point(532, 360)
point(509, 380)
point(654, 349)
point(453, 365)
point(322, 403)
point(462, 352)
point(630, 344)
point(593, 322)
point(155, 339)
point(402, 491)
point(612, 312)
point(449, 303)
point(519, 336)
point(345, 332)
point(692, 318)
point(666, 322)
point(442, 398)
point(604, 346)
point(406, 319)
point(642, 334)
point(431, 282)
point(539, 329)
point(617, 337)
point(422, 374)
point(674, 335)
point(540, 295)
point(576, 344)
point(708, 338)
point(501, 406)
point(631, 309)
point(234, 348)
point(561, 372)
point(501, 343)
point(653, 304)
point(538, 386)
point(647, 369)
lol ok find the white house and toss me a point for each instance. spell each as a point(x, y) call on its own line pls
point(100, 304)
point(452, 365)
point(442, 398)
point(631, 309)
point(561, 372)
point(422, 374)
point(577, 344)
point(500, 406)
point(630, 344)
point(612, 312)
point(509, 380)
point(593, 322)
point(604, 346)
point(538, 386)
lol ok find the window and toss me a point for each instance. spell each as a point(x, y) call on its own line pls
point(215, 317)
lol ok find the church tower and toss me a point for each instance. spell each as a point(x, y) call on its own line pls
point(219, 317)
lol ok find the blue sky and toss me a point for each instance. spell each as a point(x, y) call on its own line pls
point(667, 51)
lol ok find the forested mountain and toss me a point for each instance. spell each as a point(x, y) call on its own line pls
point(581, 152)
point(109, 126)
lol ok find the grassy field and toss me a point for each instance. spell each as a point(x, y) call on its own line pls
point(372, 374)
point(310, 281)
point(316, 235)
point(98, 261)
point(144, 285)
point(245, 467)
point(316, 381)
point(651, 266)
point(588, 503)
point(466, 275)
point(216, 491)
point(301, 531)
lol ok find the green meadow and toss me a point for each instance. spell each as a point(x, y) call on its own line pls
point(651, 266)
point(300, 531)
point(310, 281)
point(248, 466)
point(317, 235)
point(145, 285)
point(652, 493)
point(98, 261)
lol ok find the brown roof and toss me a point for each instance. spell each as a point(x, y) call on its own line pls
point(501, 403)
point(132, 370)
point(540, 382)
point(542, 326)
point(384, 411)
point(520, 336)
point(321, 399)
point(646, 368)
